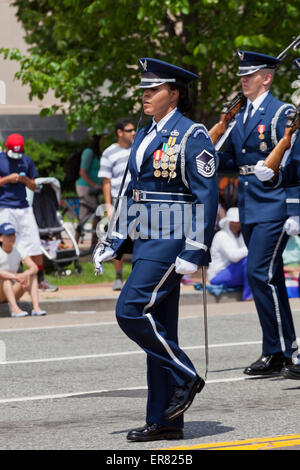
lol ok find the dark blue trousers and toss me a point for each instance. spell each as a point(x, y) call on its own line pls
point(266, 242)
point(147, 311)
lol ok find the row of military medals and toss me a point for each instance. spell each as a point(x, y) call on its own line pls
point(164, 161)
point(263, 145)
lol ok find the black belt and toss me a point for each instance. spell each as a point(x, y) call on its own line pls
point(139, 195)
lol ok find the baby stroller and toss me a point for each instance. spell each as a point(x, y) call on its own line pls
point(45, 202)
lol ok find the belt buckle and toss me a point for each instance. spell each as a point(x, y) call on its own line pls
point(137, 193)
point(243, 170)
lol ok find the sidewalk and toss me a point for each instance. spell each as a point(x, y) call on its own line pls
point(101, 297)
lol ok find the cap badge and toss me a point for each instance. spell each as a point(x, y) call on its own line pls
point(144, 65)
point(241, 55)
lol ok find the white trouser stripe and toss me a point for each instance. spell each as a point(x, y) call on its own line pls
point(274, 294)
point(154, 293)
point(166, 346)
point(150, 318)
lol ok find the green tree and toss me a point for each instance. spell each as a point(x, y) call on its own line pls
point(87, 51)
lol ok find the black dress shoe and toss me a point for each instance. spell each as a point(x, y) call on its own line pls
point(154, 432)
point(183, 397)
point(266, 365)
point(291, 371)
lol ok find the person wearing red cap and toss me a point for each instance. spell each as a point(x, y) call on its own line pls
point(17, 171)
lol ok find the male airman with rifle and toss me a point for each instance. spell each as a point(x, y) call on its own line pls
point(273, 174)
point(286, 151)
point(266, 214)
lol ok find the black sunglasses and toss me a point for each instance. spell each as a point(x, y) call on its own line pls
point(128, 130)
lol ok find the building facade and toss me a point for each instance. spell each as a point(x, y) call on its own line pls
point(19, 114)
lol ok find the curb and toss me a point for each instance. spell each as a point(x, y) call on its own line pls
point(98, 304)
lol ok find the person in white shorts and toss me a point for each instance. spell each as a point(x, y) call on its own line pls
point(17, 171)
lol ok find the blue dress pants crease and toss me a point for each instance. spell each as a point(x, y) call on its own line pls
point(266, 243)
point(147, 311)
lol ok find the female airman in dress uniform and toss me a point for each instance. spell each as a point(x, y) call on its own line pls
point(174, 192)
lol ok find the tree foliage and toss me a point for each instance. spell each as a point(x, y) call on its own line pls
point(87, 51)
point(49, 157)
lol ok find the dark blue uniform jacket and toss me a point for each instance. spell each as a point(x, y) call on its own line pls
point(170, 229)
point(257, 202)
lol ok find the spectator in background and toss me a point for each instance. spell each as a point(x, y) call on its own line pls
point(112, 166)
point(228, 266)
point(88, 185)
point(228, 191)
point(13, 284)
point(17, 171)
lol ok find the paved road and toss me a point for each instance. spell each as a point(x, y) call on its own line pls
point(74, 381)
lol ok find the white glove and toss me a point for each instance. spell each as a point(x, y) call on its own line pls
point(292, 225)
point(185, 267)
point(262, 172)
point(102, 253)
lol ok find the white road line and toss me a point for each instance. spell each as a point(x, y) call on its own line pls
point(92, 392)
point(34, 328)
point(87, 325)
point(82, 325)
point(81, 312)
point(124, 353)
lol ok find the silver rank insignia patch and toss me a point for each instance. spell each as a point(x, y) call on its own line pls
point(205, 163)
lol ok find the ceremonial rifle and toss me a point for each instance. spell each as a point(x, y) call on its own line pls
point(228, 112)
point(220, 131)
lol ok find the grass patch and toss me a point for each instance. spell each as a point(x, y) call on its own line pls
point(87, 275)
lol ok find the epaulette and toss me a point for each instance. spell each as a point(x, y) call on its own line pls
point(274, 121)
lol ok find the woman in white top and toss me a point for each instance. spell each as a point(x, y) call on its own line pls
point(13, 284)
point(229, 255)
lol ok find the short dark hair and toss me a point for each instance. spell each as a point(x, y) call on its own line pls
point(122, 123)
point(184, 102)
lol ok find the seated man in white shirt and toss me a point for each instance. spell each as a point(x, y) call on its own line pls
point(13, 284)
point(229, 255)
